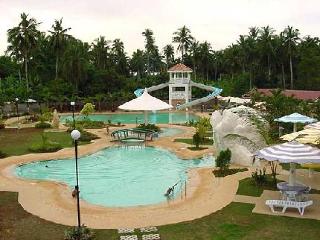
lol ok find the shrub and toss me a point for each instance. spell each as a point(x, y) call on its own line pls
point(196, 139)
point(2, 154)
point(73, 234)
point(45, 146)
point(87, 137)
point(223, 160)
point(152, 127)
point(43, 125)
point(259, 176)
point(87, 109)
point(48, 147)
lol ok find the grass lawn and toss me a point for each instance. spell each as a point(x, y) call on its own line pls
point(13, 142)
point(197, 148)
point(286, 166)
point(249, 187)
point(236, 221)
point(190, 141)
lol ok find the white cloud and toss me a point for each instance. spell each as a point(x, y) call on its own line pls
point(217, 21)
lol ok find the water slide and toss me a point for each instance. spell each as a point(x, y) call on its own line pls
point(214, 93)
point(139, 91)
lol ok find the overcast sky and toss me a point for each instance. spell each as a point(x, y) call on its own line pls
point(220, 22)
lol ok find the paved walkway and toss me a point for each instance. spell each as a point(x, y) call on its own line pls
point(312, 212)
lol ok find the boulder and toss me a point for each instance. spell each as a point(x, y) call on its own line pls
point(240, 130)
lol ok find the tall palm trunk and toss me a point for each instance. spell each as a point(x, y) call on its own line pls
point(182, 55)
point(57, 63)
point(283, 76)
point(215, 71)
point(269, 69)
point(291, 73)
point(26, 70)
point(148, 63)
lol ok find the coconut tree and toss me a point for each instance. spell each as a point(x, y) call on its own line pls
point(100, 52)
point(205, 53)
point(168, 52)
point(58, 41)
point(138, 62)
point(266, 47)
point(280, 52)
point(23, 40)
point(291, 37)
point(194, 52)
point(184, 39)
point(149, 45)
point(119, 57)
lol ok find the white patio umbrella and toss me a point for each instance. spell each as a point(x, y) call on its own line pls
point(290, 152)
point(145, 103)
point(295, 118)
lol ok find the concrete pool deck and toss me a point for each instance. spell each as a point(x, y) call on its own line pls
point(53, 201)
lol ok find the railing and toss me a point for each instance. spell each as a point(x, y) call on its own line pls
point(172, 193)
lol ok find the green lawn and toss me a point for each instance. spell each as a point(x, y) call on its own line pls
point(16, 142)
point(236, 221)
point(286, 166)
point(249, 187)
point(190, 141)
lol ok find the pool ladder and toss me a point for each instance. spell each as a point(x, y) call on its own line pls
point(170, 192)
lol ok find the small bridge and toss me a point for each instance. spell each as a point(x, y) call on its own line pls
point(133, 134)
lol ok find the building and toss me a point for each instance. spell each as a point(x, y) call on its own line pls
point(180, 90)
point(299, 94)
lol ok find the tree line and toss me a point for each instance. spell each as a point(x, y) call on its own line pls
point(56, 66)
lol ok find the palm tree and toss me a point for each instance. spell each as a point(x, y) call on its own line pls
point(100, 52)
point(23, 40)
point(280, 52)
point(168, 52)
point(265, 38)
point(291, 37)
point(184, 38)
point(194, 51)
point(119, 56)
point(137, 62)
point(149, 46)
point(58, 40)
point(205, 53)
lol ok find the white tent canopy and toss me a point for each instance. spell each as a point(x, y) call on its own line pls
point(145, 103)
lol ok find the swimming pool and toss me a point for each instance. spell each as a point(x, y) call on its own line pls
point(155, 118)
point(118, 176)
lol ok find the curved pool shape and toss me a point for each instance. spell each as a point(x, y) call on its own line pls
point(118, 176)
point(155, 118)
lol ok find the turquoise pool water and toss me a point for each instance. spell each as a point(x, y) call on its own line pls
point(118, 176)
point(167, 132)
point(155, 118)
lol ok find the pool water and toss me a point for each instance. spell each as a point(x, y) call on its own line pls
point(118, 176)
point(155, 118)
point(168, 132)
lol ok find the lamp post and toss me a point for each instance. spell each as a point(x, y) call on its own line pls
point(74, 121)
point(17, 106)
point(75, 135)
